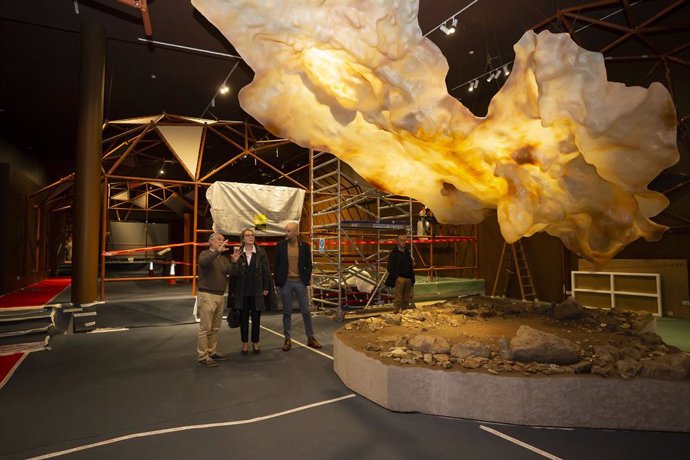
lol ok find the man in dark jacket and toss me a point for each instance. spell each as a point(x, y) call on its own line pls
point(401, 274)
point(293, 274)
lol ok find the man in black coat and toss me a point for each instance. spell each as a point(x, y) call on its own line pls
point(401, 274)
point(293, 274)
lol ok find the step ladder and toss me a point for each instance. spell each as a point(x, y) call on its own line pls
point(513, 265)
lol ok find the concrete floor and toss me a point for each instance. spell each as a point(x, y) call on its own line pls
point(139, 394)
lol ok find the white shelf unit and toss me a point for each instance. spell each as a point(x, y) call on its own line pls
point(613, 292)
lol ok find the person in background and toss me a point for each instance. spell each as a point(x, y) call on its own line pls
point(401, 274)
point(249, 285)
point(293, 274)
point(213, 271)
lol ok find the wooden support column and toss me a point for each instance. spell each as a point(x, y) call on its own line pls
point(87, 191)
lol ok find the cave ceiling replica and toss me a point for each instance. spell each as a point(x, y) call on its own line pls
point(561, 150)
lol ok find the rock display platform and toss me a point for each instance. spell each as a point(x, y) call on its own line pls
point(566, 400)
point(511, 361)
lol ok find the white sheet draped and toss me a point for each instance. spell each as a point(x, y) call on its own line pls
point(266, 208)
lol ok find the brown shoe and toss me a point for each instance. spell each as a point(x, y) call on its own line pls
point(256, 348)
point(312, 342)
point(207, 362)
point(287, 345)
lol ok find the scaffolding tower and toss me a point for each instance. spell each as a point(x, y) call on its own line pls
point(350, 221)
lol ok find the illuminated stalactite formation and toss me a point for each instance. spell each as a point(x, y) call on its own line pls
point(561, 150)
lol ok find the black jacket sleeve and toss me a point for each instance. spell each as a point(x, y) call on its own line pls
point(308, 267)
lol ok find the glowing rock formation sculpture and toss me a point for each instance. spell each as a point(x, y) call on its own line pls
point(561, 150)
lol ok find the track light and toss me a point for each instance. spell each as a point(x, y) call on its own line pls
point(506, 72)
point(490, 77)
point(224, 89)
point(449, 30)
point(474, 84)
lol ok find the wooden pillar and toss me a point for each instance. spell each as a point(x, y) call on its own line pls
point(87, 191)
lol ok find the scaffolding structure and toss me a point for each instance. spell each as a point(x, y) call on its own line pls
point(353, 228)
point(350, 223)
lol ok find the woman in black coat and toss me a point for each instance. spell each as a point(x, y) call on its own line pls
point(250, 281)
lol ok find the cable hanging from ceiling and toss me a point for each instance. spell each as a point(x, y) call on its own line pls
point(449, 26)
point(222, 89)
point(494, 73)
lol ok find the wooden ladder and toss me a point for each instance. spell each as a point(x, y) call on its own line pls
point(518, 267)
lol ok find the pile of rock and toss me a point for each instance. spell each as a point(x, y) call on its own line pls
point(634, 351)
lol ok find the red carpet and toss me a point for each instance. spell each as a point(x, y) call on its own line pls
point(8, 363)
point(35, 294)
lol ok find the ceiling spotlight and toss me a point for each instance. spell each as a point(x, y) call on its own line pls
point(506, 72)
point(449, 30)
point(471, 88)
point(224, 89)
point(490, 77)
point(476, 83)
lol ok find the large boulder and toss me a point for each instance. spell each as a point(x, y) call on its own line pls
point(429, 344)
point(470, 349)
point(570, 309)
point(530, 345)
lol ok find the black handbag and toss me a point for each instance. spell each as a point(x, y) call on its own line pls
point(233, 318)
point(233, 314)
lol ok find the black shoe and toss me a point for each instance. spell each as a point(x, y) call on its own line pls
point(287, 345)
point(208, 362)
point(218, 357)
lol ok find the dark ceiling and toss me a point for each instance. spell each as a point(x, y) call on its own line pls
point(644, 41)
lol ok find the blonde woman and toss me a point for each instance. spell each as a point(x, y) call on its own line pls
point(250, 281)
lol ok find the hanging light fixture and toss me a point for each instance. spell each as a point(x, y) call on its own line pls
point(449, 30)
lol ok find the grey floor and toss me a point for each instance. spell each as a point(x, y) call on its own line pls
point(92, 388)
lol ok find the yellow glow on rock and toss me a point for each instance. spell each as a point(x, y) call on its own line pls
point(332, 74)
point(562, 150)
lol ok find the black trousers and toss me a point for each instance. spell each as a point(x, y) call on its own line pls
point(249, 309)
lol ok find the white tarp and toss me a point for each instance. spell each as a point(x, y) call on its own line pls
point(266, 208)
